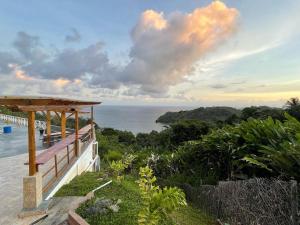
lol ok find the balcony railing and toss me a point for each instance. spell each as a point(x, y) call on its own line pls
point(57, 159)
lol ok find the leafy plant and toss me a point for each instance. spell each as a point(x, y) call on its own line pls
point(119, 166)
point(156, 202)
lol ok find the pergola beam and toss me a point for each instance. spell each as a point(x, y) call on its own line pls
point(55, 108)
point(42, 101)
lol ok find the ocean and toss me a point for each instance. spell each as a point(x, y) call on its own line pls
point(137, 119)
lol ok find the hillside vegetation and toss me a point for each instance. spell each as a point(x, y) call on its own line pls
point(207, 114)
point(221, 114)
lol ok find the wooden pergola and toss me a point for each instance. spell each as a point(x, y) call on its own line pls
point(64, 108)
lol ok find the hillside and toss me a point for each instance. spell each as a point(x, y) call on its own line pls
point(208, 114)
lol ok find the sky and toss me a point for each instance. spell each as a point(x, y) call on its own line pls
point(137, 52)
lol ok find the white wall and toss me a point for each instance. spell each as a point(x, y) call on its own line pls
point(84, 163)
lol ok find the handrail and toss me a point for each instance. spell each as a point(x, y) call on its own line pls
point(22, 121)
point(49, 153)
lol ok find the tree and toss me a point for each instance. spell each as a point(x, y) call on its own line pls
point(293, 107)
point(186, 130)
point(293, 102)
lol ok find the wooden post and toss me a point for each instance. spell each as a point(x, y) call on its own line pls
point(63, 125)
point(68, 154)
point(55, 165)
point(76, 133)
point(92, 122)
point(31, 143)
point(48, 120)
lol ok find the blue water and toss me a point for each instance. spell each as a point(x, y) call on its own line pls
point(132, 118)
point(137, 119)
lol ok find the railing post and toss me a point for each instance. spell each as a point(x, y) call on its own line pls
point(76, 134)
point(48, 119)
point(55, 161)
point(68, 154)
point(63, 124)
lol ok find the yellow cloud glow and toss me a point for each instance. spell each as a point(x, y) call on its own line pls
point(210, 24)
point(150, 18)
point(61, 82)
point(20, 74)
point(265, 96)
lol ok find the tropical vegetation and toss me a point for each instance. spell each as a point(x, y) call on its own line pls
point(259, 142)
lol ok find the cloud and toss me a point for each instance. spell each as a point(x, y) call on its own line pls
point(6, 60)
point(74, 36)
point(72, 64)
point(165, 48)
point(29, 47)
point(218, 86)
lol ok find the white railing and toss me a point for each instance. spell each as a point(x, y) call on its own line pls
point(22, 121)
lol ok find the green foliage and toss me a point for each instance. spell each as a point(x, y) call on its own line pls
point(118, 167)
point(207, 114)
point(293, 107)
point(113, 155)
point(173, 135)
point(262, 112)
point(254, 148)
point(81, 185)
point(187, 130)
point(123, 137)
point(156, 203)
point(128, 191)
point(149, 140)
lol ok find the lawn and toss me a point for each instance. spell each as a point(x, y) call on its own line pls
point(128, 192)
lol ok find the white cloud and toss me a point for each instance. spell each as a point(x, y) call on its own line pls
point(164, 52)
point(165, 48)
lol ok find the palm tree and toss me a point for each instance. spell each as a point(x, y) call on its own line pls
point(293, 107)
point(293, 102)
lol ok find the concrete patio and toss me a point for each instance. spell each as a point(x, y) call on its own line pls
point(12, 170)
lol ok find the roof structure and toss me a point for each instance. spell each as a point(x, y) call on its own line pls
point(32, 103)
point(60, 106)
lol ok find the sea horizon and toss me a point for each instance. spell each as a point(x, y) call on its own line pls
point(137, 119)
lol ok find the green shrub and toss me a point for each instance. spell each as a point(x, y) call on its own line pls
point(113, 155)
point(118, 167)
point(157, 203)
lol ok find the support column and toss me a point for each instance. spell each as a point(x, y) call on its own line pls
point(32, 184)
point(48, 120)
point(31, 143)
point(32, 191)
point(76, 133)
point(63, 124)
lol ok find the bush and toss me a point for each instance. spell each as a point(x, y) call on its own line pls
point(113, 155)
point(187, 130)
point(157, 203)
